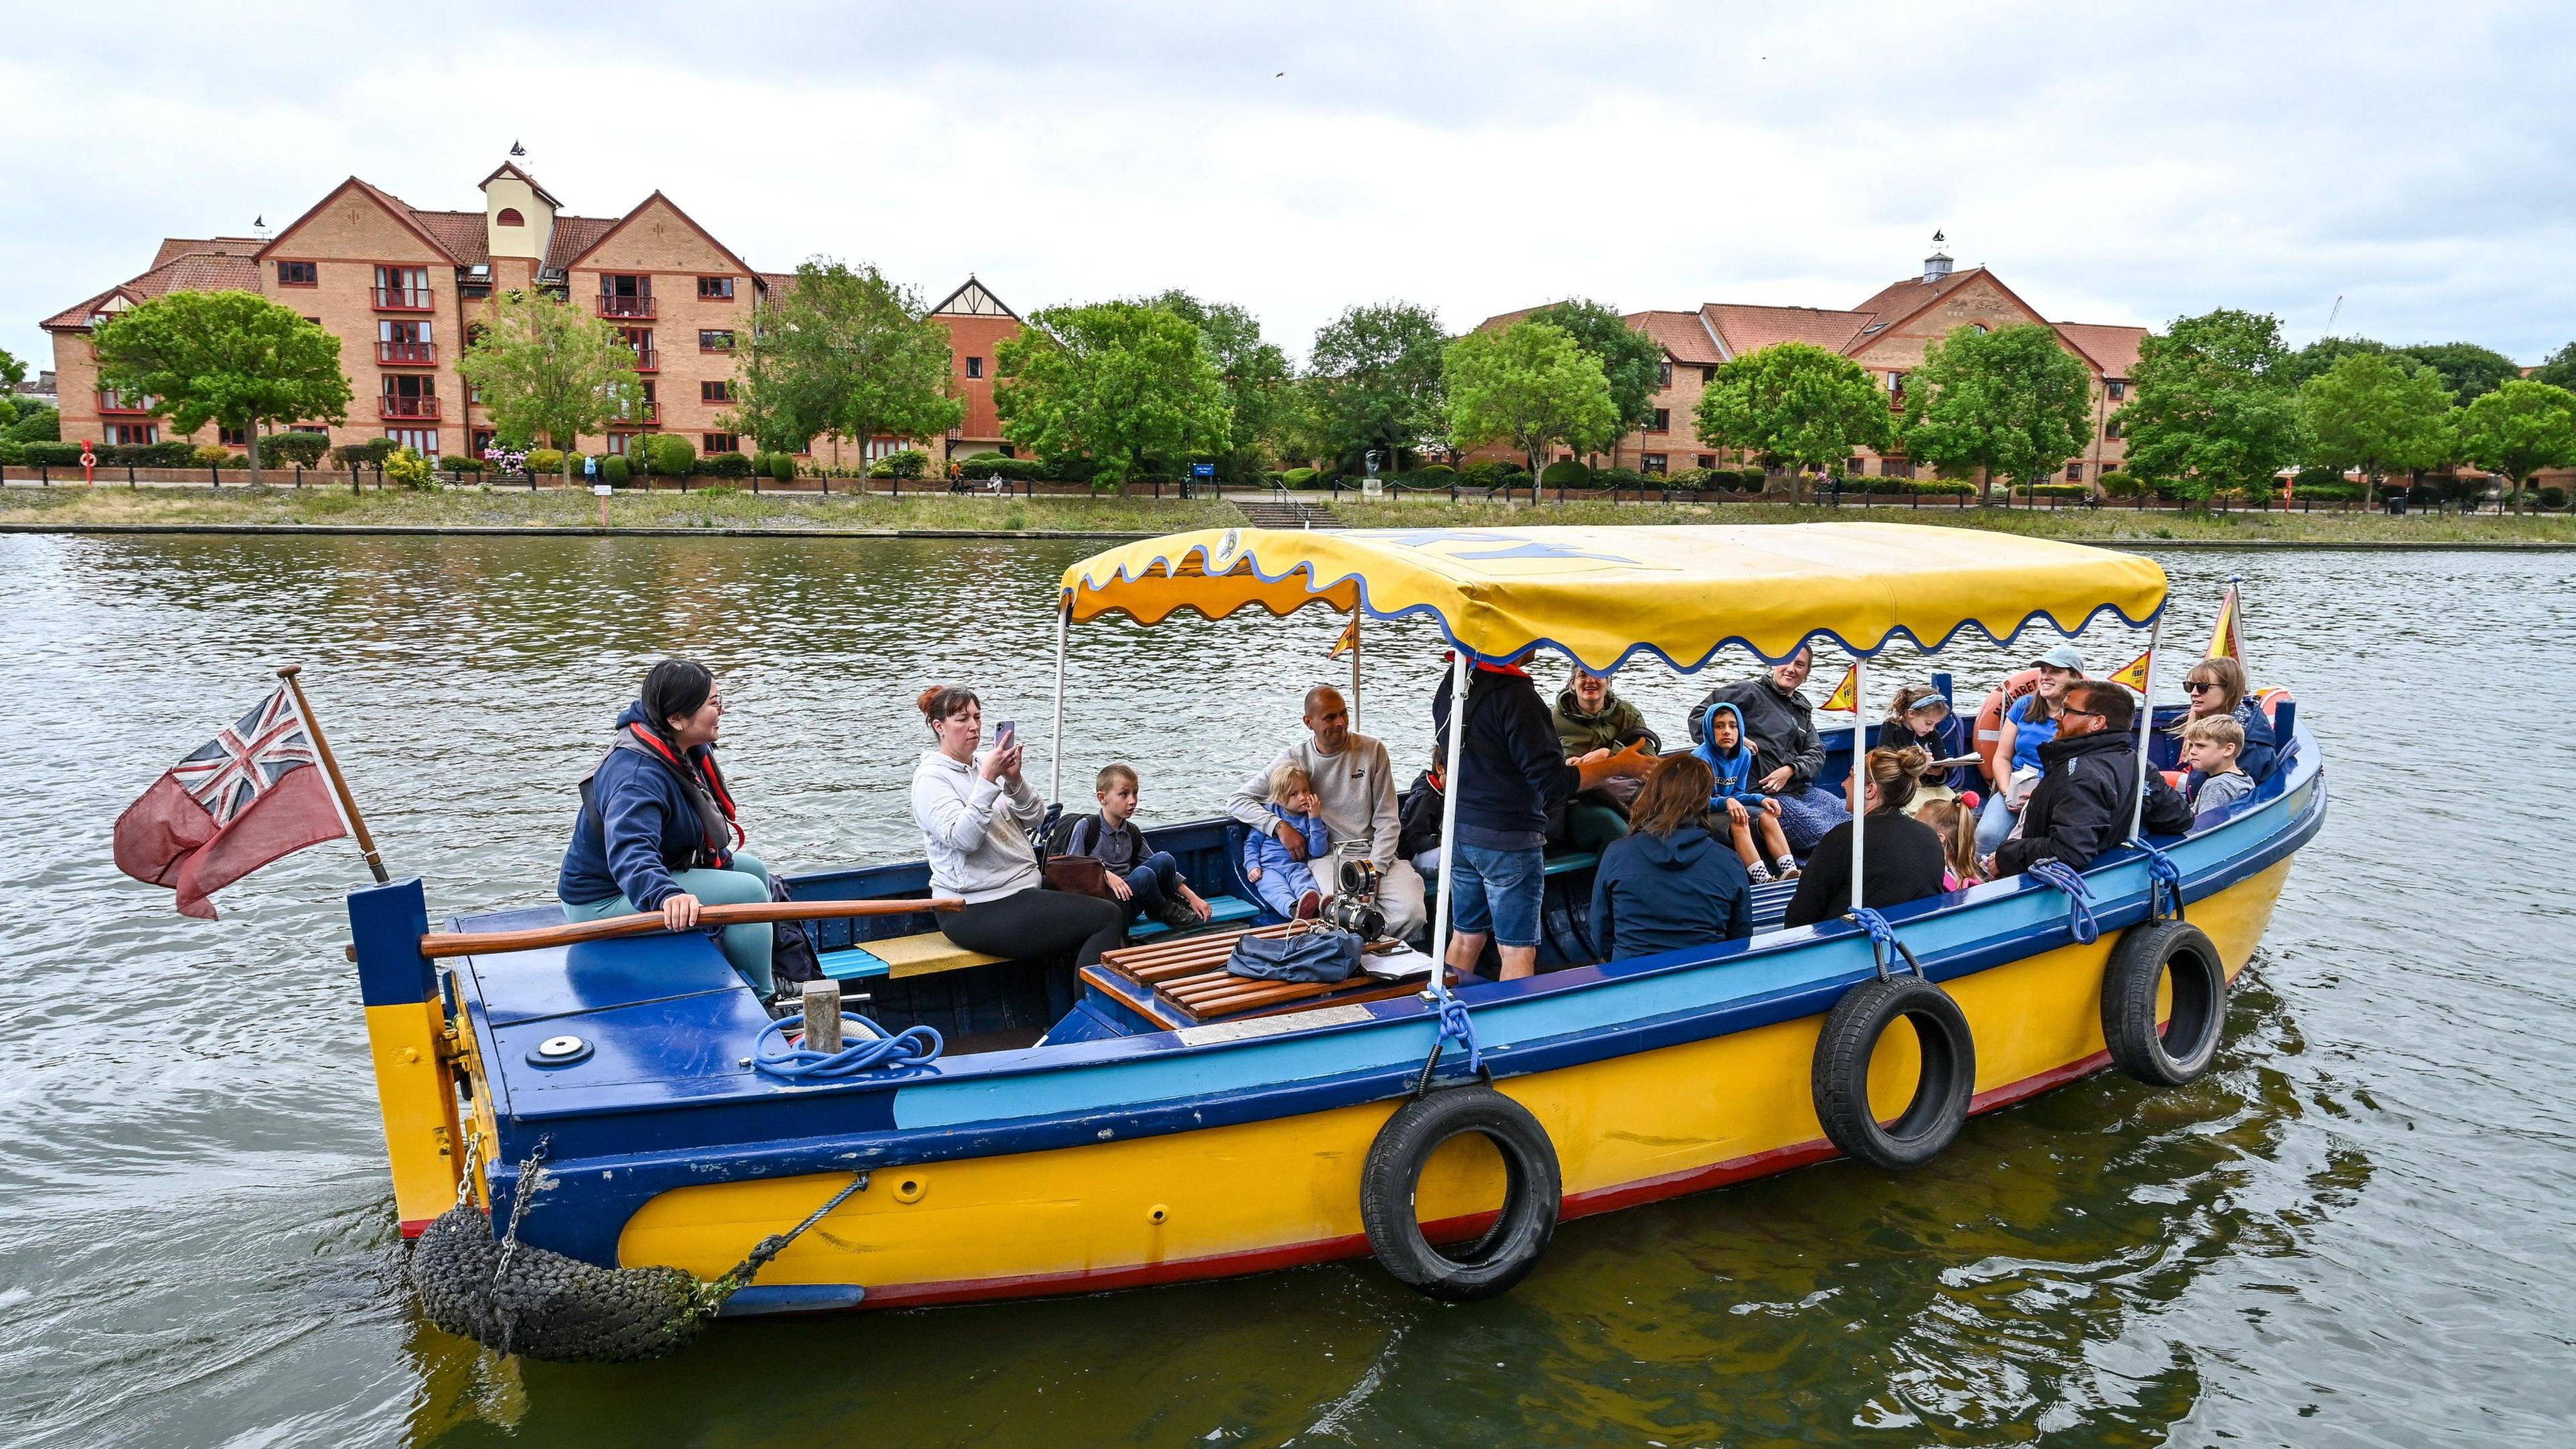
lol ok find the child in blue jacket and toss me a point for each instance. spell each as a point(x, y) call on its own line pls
point(1749, 812)
point(1286, 884)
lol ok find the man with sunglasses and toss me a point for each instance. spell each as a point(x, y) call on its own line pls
point(2088, 786)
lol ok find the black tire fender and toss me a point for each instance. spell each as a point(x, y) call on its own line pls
point(2182, 1049)
point(1533, 1194)
point(1841, 1082)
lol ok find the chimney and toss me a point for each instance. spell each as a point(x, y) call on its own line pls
point(1937, 265)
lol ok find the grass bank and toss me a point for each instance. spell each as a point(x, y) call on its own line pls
point(505, 508)
point(2103, 526)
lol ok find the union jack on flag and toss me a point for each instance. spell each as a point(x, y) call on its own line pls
point(247, 759)
point(241, 800)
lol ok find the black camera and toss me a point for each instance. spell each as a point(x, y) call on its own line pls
point(1354, 906)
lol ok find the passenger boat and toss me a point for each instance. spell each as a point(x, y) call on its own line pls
point(1142, 1123)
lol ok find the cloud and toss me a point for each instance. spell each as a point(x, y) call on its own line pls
point(2124, 166)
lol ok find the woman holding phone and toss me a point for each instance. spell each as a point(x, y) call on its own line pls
point(976, 814)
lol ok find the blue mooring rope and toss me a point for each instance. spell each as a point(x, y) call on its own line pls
point(912, 1047)
point(1456, 1023)
point(2163, 878)
point(2080, 923)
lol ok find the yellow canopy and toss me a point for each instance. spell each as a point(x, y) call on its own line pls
point(1601, 594)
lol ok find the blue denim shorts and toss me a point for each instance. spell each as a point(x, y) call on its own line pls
point(1497, 893)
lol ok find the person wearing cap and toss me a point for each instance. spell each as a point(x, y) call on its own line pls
point(2031, 722)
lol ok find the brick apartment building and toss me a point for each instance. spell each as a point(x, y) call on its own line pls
point(402, 288)
point(1886, 334)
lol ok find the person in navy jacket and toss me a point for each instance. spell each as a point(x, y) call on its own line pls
point(657, 830)
point(1668, 883)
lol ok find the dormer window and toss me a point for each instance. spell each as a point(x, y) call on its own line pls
point(509, 217)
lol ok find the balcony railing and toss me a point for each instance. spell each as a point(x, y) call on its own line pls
point(648, 359)
point(403, 299)
point(119, 404)
point(637, 415)
point(393, 408)
point(407, 354)
point(625, 306)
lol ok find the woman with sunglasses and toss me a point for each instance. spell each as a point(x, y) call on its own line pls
point(2217, 687)
point(2029, 724)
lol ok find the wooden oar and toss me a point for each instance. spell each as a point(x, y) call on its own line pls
point(439, 944)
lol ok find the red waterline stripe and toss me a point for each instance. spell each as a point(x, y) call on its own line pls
point(1298, 1255)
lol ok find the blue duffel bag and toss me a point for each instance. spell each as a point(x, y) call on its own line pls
point(1317, 954)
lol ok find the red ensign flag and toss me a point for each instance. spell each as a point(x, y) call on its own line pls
point(250, 796)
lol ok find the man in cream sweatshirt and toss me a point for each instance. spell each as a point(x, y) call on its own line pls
point(1356, 783)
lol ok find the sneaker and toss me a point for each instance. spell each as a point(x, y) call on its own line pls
point(1310, 905)
point(1761, 873)
point(1785, 868)
point(1177, 916)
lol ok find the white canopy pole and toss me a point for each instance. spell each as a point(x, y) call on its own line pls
point(1055, 731)
point(1449, 823)
point(1859, 771)
point(2146, 729)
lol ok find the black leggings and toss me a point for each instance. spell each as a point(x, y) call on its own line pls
point(1038, 924)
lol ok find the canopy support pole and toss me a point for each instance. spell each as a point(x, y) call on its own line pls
point(1859, 770)
point(2146, 729)
point(1055, 730)
point(1355, 666)
point(1449, 824)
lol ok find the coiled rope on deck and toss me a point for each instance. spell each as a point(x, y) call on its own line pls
point(913, 1046)
point(2080, 919)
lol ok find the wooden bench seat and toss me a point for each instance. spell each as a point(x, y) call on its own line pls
point(1183, 982)
point(930, 952)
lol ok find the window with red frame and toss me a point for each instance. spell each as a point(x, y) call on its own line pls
point(715, 392)
point(298, 274)
point(715, 339)
point(715, 289)
point(712, 443)
point(131, 435)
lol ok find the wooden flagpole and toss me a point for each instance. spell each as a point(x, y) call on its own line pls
point(331, 768)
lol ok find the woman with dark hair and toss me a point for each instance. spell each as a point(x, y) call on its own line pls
point(976, 814)
point(1668, 883)
point(1904, 860)
point(2217, 687)
point(657, 830)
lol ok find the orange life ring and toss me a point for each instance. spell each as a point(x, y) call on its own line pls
point(1990, 721)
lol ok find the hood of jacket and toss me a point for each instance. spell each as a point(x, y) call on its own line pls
point(1707, 735)
point(1681, 850)
point(634, 714)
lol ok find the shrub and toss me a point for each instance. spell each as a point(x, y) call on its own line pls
point(407, 468)
point(12, 455)
point(1565, 473)
point(668, 455)
point(461, 463)
point(44, 425)
point(725, 465)
point(1011, 470)
point(1438, 475)
point(1298, 477)
point(52, 454)
point(782, 467)
point(1624, 478)
point(288, 449)
point(2335, 492)
point(213, 455)
point(615, 471)
point(906, 464)
point(2553, 497)
point(1694, 478)
point(2119, 484)
point(1939, 487)
point(2058, 490)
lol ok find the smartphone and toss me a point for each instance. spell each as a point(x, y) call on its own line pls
point(1003, 734)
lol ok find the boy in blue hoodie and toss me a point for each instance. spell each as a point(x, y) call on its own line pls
point(1748, 811)
point(1286, 884)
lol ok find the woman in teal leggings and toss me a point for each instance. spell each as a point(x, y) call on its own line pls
point(657, 831)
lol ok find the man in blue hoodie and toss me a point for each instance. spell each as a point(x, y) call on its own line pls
point(657, 831)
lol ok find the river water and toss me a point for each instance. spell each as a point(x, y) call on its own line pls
point(2356, 1231)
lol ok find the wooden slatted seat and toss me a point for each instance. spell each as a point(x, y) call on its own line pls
point(1183, 982)
point(899, 956)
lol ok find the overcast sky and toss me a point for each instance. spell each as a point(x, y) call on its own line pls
point(2127, 166)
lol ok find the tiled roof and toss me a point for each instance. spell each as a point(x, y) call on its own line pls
point(508, 168)
point(2113, 349)
point(175, 247)
point(575, 235)
point(188, 272)
point(463, 233)
point(1749, 329)
point(1902, 299)
point(1681, 334)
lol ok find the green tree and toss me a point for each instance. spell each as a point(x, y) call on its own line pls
point(1126, 384)
point(1257, 383)
point(2379, 413)
point(2519, 429)
point(1530, 385)
point(549, 373)
point(843, 351)
point(2209, 407)
point(232, 358)
point(12, 371)
point(1795, 402)
point(2468, 370)
point(2012, 401)
point(1632, 361)
point(1375, 380)
point(2314, 359)
point(2560, 369)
